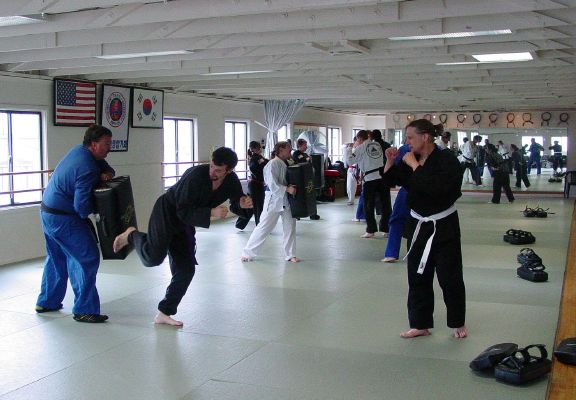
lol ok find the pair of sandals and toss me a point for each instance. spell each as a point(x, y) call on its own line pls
point(531, 268)
point(537, 212)
point(513, 365)
point(516, 236)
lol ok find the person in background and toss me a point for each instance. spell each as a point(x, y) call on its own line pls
point(501, 175)
point(369, 158)
point(520, 165)
point(71, 248)
point(443, 141)
point(256, 163)
point(192, 201)
point(276, 206)
point(535, 156)
point(556, 150)
point(351, 183)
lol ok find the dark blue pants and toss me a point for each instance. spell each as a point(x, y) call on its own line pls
point(400, 212)
point(72, 253)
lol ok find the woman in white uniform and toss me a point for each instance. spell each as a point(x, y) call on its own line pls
point(275, 206)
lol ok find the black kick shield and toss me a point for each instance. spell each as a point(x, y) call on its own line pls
point(303, 204)
point(115, 212)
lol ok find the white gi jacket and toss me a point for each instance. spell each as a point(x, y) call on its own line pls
point(441, 145)
point(275, 196)
point(469, 150)
point(503, 151)
point(368, 157)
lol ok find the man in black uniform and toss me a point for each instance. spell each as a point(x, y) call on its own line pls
point(432, 178)
point(196, 197)
point(556, 156)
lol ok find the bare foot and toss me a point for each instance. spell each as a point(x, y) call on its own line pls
point(245, 259)
point(389, 259)
point(367, 235)
point(412, 333)
point(162, 318)
point(121, 240)
point(460, 333)
point(294, 259)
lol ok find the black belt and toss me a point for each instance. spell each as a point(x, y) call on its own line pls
point(55, 211)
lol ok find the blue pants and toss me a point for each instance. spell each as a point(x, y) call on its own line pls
point(535, 158)
point(360, 208)
point(396, 224)
point(72, 253)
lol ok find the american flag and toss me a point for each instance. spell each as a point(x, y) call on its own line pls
point(75, 103)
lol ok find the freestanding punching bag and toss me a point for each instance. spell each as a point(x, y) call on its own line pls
point(318, 164)
point(303, 204)
point(115, 212)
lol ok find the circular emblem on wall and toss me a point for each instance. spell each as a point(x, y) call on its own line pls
point(115, 109)
point(373, 150)
point(147, 106)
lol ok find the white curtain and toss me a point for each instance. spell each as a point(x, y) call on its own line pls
point(278, 113)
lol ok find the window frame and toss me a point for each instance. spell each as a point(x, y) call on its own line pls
point(10, 164)
point(242, 174)
point(179, 163)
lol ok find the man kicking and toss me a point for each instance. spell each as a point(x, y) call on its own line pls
point(196, 197)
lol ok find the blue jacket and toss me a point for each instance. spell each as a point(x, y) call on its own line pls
point(71, 185)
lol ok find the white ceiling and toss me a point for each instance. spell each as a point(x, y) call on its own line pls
point(334, 53)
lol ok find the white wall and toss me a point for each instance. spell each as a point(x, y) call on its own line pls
point(21, 234)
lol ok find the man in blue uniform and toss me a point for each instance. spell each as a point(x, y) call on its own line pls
point(71, 247)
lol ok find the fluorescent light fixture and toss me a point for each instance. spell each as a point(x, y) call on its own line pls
point(149, 54)
point(454, 35)
point(503, 57)
point(21, 20)
point(461, 63)
point(235, 73)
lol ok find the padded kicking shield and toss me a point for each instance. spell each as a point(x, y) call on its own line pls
point(303, 204)
point(318, 164)
point(490, 357)
point(115, 212)
point(565, 352)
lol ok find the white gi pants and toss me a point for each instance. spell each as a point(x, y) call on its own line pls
point(351, 185)
point(268, 220)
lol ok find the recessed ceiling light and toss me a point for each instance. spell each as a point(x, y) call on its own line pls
point(21, 19)
point(149, 54)
point(235, 73)
point(454, 35)
point(504, 57)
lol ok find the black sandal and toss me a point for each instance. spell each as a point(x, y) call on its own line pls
point(90, 318)
point(515, 236)
point(527, 255)
point(533, 272)
point(529, 212)
point(521, 367)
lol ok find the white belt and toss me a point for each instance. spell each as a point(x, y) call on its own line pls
point(432, 218)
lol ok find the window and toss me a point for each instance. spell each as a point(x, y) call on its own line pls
point(236, 137)
point(398, 138)
point(283, 133)
point(20, 152)
point(179, 148)
point(334, 144)
point(562, 141)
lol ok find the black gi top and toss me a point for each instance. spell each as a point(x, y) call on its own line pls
point(432, 188)
point(518, 159)
point(192, 197)
point(257, 168)
point(300, 157)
